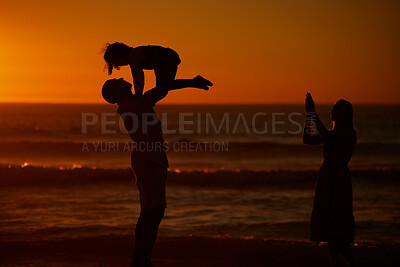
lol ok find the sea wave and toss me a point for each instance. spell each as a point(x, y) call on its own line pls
point(190, 155)
point(12, 175)
point(51, 145)
point(367, 232)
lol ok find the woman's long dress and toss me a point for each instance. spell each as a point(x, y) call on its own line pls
point(332, 216)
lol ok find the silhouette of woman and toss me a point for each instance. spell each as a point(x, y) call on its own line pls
point(332, 217)
point(164, 61)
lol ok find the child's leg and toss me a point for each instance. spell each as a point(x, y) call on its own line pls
point(197, 82)
point(139, 232)
point(165, 78)
point(165, 74)
point(150, 231)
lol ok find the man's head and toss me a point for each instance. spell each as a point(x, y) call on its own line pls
point(114, 90)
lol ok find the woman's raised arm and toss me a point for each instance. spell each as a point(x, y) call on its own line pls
point(308, 137)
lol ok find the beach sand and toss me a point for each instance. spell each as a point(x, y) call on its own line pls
point(191, 251)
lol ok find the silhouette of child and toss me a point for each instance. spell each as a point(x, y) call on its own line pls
point(332, 217)
point(149, 162)
point(164, 62)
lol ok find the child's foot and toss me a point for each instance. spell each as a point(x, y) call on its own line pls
point(203, 83)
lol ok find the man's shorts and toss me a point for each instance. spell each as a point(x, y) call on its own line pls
point(150, 181)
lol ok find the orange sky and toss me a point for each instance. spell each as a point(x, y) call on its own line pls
point(255, 51)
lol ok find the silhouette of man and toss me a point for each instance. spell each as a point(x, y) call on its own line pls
point(148, 158)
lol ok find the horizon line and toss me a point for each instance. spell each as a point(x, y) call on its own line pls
point(191, 103)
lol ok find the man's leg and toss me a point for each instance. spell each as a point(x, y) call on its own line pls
point(150, 230)
point(139, 232)
point(152, 192)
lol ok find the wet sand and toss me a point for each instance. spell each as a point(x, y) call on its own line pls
point(191, 251)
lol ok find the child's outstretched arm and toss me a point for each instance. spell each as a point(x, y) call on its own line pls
point(138, 80)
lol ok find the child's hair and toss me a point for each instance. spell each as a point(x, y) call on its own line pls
point(112, 51)
point(110, 91)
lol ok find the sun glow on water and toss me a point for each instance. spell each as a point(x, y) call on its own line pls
point(25, 164)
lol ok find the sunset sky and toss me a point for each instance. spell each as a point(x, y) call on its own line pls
point(255, 51)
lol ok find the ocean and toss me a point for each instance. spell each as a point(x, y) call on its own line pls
point(236, 171)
